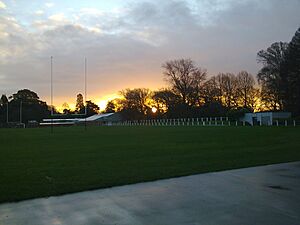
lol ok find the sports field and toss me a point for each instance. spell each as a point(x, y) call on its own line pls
point(36, 163)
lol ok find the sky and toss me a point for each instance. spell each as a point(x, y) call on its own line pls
point(126, 41)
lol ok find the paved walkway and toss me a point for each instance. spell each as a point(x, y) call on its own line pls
point(267, 195)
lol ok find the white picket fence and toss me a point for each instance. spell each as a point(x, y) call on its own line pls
point(205, 121)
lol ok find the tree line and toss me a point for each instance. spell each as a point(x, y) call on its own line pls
point(25, 106)
point(280, 75)
point(191, 92)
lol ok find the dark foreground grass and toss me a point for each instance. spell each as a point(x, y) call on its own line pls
point(36, 163)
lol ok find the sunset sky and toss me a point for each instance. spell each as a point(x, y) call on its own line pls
point(126, 41)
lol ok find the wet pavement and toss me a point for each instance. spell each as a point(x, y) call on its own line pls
point(267, 195)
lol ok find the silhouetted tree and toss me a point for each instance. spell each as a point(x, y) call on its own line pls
point(32, 107)
point(135, 99)
point(228, 89)
point(212, 109)
point(110, 107)
point(291, 71)
point(272, 77)
point(212, 90)
point(3, 108)
point(79, 103)
point(165, 100)
point(3, 100)
point(91, 108)
point(26, 96)
point(186, 80)
point(66, 108)
point(245, 88)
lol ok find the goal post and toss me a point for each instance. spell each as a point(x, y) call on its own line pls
point(52, 114)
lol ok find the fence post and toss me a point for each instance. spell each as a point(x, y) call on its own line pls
point(294, 122)
point(286, 123)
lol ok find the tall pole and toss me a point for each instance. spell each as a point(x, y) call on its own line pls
point(85, 87)
point(20, 111)
point(7, 112)
point(51, 74)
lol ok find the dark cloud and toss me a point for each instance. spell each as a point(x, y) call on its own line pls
point(127, 49)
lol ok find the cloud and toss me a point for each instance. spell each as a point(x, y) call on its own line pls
point(2, 5)
point(90, 11)
point(39, 12)
point(49, 4)
point(13, 38)
point(126, 48)
point(59, 17)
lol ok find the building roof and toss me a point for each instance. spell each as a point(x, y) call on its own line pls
point(96, 117)
point(74, 120)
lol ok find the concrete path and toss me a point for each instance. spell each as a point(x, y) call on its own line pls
point(267, 195)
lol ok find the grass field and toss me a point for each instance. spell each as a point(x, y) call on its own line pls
point(36, 163)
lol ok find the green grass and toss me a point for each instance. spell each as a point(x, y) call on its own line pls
point(35, 163)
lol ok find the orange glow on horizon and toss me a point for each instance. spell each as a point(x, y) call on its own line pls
point(101, 102)
point(60, 108)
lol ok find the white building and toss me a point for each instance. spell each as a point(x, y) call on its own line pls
point(264, 118)
point(98, 119)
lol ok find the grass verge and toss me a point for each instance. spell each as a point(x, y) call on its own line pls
point(35, 163)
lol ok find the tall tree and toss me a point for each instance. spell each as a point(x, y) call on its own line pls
point(269, 99)
point(110, 107)
point(91, 108)
point(27, 103)
point(185, 79)
point(135, 99)
point(292, 71)
point(228, 89)
point(272, 76)
point(165, 100)
point(26, 95)
point(3, 100)
point(114, 105)
point(79, 103)
point(245, 88)
point(3, 109)
point(212, 91)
